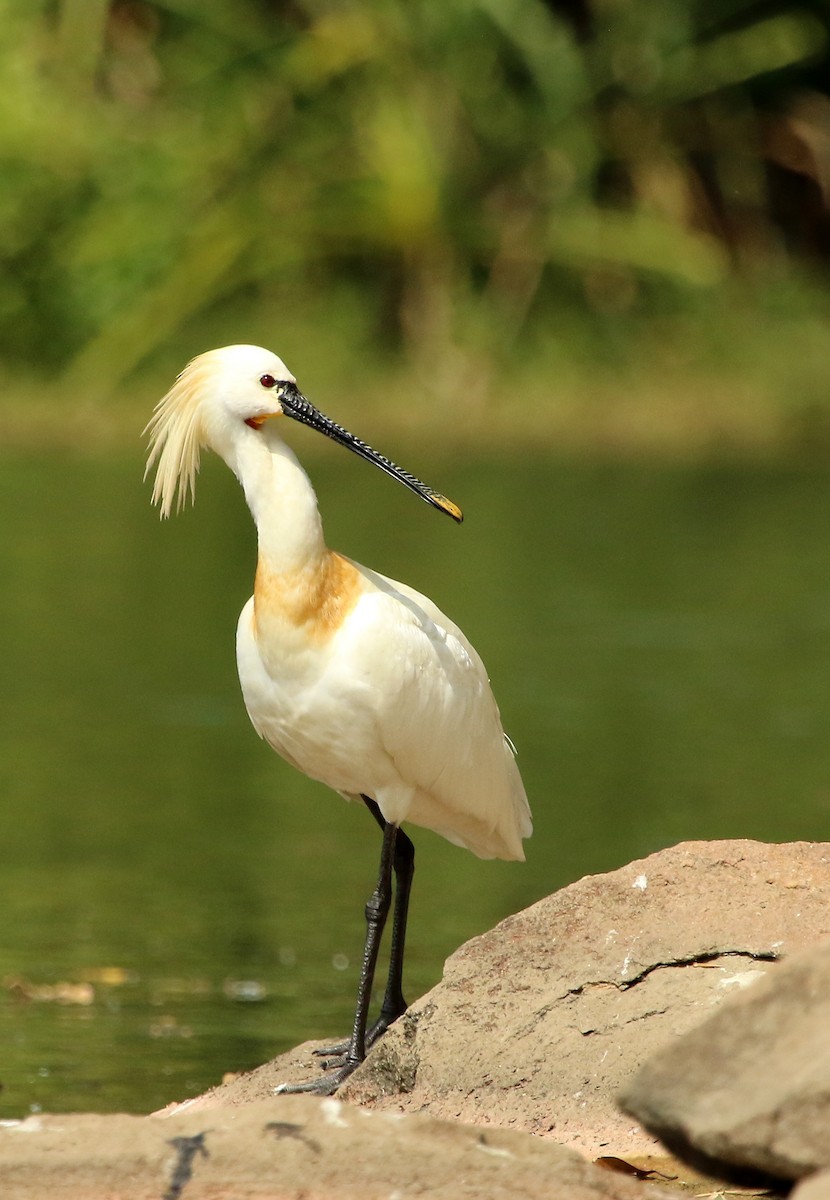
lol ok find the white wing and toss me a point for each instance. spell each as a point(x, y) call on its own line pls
point(437, 721)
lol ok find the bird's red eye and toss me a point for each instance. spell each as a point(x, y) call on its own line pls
point(268, 381)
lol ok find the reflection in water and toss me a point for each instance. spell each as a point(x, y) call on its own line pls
point(659, 641)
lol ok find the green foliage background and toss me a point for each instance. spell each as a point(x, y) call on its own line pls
point(600, 224)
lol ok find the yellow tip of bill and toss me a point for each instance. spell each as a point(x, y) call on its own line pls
point(448, 507)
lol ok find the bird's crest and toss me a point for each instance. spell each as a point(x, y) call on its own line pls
point(175, 431)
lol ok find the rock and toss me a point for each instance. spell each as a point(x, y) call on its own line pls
point(288, 1147)
point(749, 1089)
point(537, 1024)
point(533, 1029)
point(815, 1187)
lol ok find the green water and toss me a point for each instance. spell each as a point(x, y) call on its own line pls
point(659, 641)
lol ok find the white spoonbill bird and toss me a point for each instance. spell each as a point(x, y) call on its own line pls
point(358, 681)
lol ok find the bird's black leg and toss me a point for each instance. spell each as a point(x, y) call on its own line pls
point(377, 909)
point(393, 1005)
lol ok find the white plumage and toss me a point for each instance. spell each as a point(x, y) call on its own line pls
point(358, 681)
point(394, 705)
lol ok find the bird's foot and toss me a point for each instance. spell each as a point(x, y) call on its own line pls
point(324, 1085)
point(375, 1031)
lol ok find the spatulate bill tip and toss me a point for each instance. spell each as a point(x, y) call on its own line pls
point(448, 507)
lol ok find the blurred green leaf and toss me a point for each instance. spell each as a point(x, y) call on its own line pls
point(460, 172)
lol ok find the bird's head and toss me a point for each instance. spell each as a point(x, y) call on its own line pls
point(214, 397)
point(224, 395)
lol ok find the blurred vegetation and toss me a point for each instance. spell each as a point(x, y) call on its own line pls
point(590, 222)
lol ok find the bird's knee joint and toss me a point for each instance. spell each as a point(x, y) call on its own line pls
point(377, 907)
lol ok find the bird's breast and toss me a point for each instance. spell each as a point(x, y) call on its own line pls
point(304, 606)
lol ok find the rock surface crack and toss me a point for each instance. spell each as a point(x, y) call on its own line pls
point(695, 960)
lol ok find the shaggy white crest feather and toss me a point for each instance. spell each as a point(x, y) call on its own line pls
point(176, 439)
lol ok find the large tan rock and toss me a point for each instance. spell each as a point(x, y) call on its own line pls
point(538, 1024)
point(287, 1148)
point(749, 1089)
point(533, 1030)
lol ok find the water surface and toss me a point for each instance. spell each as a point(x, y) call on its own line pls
point(178, 903)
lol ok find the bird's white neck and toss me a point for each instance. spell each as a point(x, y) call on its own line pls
point(282, 503)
